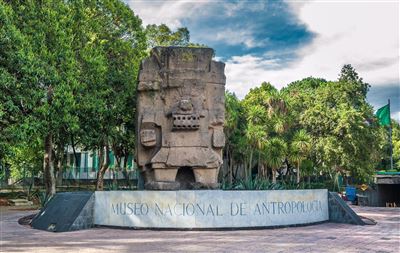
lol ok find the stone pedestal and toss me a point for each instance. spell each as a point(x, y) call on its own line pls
point(200, 209)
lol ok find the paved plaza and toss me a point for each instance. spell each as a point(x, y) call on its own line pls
point(325, 237)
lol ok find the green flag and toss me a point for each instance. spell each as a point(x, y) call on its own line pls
point(383, 115)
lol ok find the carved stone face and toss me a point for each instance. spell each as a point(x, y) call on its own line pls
point(185, 105)
point(184, 117)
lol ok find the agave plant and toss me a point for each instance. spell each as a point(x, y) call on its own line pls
point(42, 196)
point(257, 184)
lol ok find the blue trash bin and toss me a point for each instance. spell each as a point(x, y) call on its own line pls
point(351, 193)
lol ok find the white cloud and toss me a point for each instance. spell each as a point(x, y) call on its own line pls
point(365, 35)
point(235, 36)
point(166, 12)
point(244, 72)
point(173, 12)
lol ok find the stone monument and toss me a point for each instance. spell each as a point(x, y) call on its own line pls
point(180, 117)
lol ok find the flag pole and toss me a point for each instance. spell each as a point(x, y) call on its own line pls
point(390, 139)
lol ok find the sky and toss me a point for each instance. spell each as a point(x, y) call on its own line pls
point(284, 41)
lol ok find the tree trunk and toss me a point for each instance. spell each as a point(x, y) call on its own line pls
point(274, 175)
point(74, 151)
point(105, 162)
point(298, 173)
point(264, 171)
point(248, 176)
point(48, 166)
point(259, 173)
point(125, 170)
point(117, 168)
point(59, 161)
point(230, 169)
point(288, 175)
point(59, 173)
point(6, 172)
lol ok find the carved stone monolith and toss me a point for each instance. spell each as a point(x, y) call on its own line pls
point(180, 118)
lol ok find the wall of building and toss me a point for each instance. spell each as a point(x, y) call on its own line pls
point(87, 166)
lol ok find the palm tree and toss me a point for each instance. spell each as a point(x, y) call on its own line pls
point(275, 153)
point(254, 134)
point(299, 150)
point(266, 116)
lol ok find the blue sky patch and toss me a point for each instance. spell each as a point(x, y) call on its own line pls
point(253, 27)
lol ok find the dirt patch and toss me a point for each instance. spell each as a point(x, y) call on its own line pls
point(4, 202)
point(27, 208)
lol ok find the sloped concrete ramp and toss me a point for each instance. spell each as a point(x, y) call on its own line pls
point(66, 211)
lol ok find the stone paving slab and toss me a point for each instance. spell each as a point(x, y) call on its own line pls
point(327, 237)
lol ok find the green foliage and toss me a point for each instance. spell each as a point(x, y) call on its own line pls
point(256, 184)
point(234, 131)
point(337, 118)
point(162, 35)
point(396, 143)
point(68, 74)
point(275, 152)
point(264, 184)
point(313, 126)
point(384, 145)
point(24, 160)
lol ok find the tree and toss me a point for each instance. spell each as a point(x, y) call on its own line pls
point(357, 88)
point(44, 73)
point(299, 150)
point(275, 153)
point(384, 146)
point(266, 112)
point(162, 35)
point(74, 81)
point(234, 123)
point(338, 118)
point(114, 43)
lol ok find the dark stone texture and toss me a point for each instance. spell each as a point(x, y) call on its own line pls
point(66, 211)
point(340, 212)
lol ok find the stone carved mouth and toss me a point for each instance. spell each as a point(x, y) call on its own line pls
point(185, 121)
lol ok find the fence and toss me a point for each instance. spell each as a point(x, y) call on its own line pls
point(78, 179)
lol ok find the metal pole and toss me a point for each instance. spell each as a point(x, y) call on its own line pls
point(390, 139)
